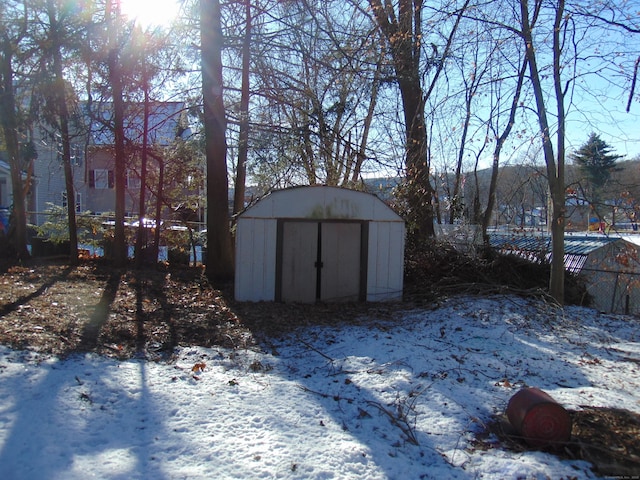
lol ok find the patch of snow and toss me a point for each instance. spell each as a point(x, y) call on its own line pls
point(390, 400)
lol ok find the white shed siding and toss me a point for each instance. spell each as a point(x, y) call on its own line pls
point(385, 272)
point(255, 259)
point(257, 239)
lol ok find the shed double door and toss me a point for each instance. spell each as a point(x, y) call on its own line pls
point(321, 261)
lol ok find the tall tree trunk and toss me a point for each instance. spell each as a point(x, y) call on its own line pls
point(495, 167)
point(63, 115)
point(219, 250)
point(420, 191)
point(158, 215)
point(18, 232)
point(243, 137)
point(456, 199)
point(555, 170)
point(558, 190)
point(141, 237)
point(404, 36)
point(115, 78)
point(361, 154)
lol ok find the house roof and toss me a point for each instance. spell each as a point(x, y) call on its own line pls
point(166, 123)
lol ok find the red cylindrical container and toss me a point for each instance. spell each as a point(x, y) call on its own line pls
point(538, 418)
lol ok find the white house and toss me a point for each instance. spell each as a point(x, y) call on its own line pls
point(319, 243)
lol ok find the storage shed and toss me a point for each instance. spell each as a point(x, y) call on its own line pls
point(610, 265)
point(319, 243)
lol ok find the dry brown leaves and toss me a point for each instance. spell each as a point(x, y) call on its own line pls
point(51, 307)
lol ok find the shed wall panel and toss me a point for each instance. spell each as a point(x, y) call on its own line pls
point(386, 261)
point(255, 259)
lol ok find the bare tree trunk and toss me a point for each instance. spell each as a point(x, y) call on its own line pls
point(495, 167)
point(558, 190)
point(555, 170)
point(115, 78)
point(361, 154)
point(8, 120)
point(219, 249)
point(158, 216)
point(141, 237)
point(456, 200)
point(404, 36)
point(243, 136)
point(120, 246)
point(63, 114)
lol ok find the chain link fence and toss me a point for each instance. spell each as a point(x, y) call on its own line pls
point(613, 291)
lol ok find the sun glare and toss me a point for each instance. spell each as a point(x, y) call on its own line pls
point(150, 13)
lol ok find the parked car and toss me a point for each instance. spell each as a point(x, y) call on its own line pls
point(4, 220)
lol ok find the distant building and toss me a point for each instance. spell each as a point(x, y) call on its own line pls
point(610, 265)
point(93, 158)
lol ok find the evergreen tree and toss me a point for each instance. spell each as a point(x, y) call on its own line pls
point(596, 161)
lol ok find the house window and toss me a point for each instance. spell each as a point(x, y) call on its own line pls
point(133, 181)
point(77, 154)
point(101, 178)
point(76, 151)
point(78, 201)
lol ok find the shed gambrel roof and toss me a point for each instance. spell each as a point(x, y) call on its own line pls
point(321, 202)
point(538, 247)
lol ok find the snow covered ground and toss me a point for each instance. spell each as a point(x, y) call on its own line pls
point(323, 403)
